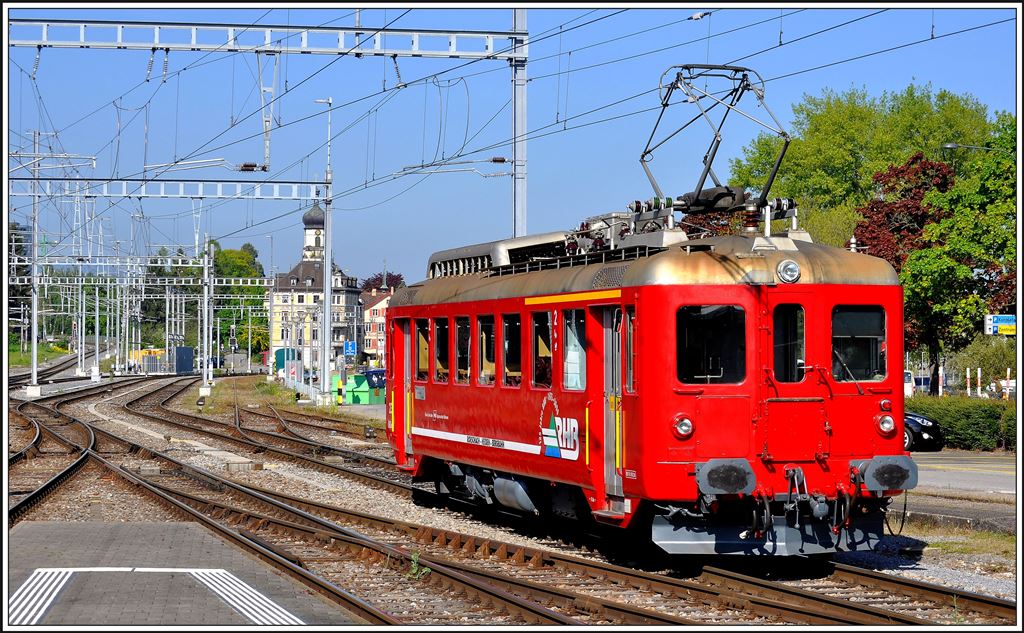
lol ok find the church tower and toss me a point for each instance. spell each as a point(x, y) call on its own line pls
point(313, 241)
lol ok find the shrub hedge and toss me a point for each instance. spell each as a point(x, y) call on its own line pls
point(971, 423)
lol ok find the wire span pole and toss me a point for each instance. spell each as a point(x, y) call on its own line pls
point(519, 124)
point(33, 387)
point(326, 326)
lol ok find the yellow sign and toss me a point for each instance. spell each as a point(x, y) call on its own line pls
point(1009, 330)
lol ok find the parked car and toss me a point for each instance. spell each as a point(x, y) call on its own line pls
point(921, 432)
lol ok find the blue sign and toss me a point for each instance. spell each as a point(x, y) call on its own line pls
point(350, 348)
point(1004, 319)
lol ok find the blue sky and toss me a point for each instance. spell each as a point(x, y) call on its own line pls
point(583, 168)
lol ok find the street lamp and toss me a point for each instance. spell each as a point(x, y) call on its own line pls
point(958, 146)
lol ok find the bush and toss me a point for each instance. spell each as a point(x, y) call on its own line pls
point(970, 423)
point(1008, 426)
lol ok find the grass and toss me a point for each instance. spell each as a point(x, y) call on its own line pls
point(962, 541)
point(256, 389)
point(46, 352)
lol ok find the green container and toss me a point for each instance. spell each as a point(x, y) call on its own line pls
point(359, 391)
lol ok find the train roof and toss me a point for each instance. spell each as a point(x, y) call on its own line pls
point(720, 260)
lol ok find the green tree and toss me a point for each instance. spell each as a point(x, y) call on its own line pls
point(952, 241)
point(841, 140)
point(993, 354)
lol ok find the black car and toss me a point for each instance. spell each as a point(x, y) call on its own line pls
point(921, 432)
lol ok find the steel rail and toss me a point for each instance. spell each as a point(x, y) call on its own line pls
point(945, 596)
point(318, 525)
point(316, 447)
point(31, 448)
point(859, 613)
point(808, 612)
point(337, 534)
point(351, 603)
point(365, 478)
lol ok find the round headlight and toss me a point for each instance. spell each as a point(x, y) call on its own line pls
point(788, 271)
point(886, 424)
point(683, 427)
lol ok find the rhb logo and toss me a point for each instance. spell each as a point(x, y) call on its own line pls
point(562, 438)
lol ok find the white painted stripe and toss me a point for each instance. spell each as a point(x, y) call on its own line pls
point(269, 605)
point(287, 617)
point(508, 445)
point(43, 587)
point(245, 599)
point(39, 586)
point(64, 578)
point(27, 589)
point(229, 592)
point(270, 613)
point(32, 599)
point(209, 579)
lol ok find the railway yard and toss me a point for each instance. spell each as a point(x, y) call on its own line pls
point(296, 517)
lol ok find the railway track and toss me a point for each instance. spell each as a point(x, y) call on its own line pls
point(57, 451)
point(559, 580)
point(261, 443)
point(45, 375)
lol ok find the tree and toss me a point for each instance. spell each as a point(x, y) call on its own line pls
point(395, 280)
point(952, 241)
point(993, 354)
point(254, 254)
point(840, 140)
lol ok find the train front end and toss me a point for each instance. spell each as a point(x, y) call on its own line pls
point(773, 426)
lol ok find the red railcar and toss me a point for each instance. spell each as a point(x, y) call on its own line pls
point(740, 393)
point(735, 394)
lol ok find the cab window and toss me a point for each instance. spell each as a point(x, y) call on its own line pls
point(788, 339)
point(710, 344)
point(858, 343)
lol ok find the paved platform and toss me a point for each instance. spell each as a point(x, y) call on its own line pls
point(149, 574)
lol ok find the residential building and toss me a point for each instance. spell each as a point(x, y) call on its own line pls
point(296, 312)
point(375, 308)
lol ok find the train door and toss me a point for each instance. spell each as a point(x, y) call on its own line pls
point(797, 424)
point(401, 389)
point(613, 406)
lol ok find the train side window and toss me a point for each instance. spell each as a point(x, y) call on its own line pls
point(711, 344)
point(630, 348)
point(574, 374)
point(462, 350)
point(858, 343)
point(788, 325)
point(485, 368)
point(441, 350)
point(511, 360)
point(541, 349)
point(422, 349)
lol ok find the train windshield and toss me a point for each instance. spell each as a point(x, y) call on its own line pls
point(858, 343)
point(710, 344)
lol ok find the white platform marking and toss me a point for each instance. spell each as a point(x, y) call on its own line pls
point(34, 596)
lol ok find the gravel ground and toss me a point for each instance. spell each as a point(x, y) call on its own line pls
point(981, 573)
point(96, 495)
